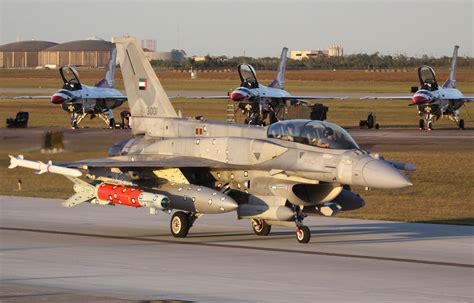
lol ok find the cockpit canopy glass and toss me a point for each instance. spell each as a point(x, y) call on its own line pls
point(316, 133)
point(427, 78)
point(70, 78)
point(248, 76)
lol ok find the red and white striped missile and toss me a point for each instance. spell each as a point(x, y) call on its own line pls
point(42, 168)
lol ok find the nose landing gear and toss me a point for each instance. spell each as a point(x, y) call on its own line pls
point(303, 233)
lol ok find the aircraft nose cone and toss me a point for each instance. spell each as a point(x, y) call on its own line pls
point(418, 99)
point(58, 98)
point(236, 96)
point(379, 174)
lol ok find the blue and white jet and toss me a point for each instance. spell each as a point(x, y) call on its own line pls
point(259, 101)
point(434, 101)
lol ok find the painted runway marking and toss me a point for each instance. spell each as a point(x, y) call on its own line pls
point(280, 250)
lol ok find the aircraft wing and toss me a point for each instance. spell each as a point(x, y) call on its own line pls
point(314, 98)
point(208, 97)
point(154, 161)
point(386, 98)
point(467, 99)
point(25, 97)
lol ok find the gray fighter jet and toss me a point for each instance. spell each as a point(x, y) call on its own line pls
point(274, 175)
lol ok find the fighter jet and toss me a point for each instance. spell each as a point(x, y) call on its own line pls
point(80, 100)
point(275, 175)
point(258, 101)
point(434, 101)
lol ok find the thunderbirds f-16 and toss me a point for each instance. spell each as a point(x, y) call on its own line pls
point(434, 101)
point(259, 101)
point(275, 175)
point(80, 100)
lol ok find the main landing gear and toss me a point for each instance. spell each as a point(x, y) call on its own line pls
point(461, 124)
point(260, 227)
point(181, 222)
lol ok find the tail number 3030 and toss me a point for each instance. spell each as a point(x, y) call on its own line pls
point(151, 111)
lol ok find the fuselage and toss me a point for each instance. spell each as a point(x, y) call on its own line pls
point(440, 101)
point(89, 98)
point(243, 93)
point(288, 147)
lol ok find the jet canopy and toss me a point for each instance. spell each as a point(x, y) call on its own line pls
point(247, 76)
point(70, 78)
point(310, 132)
point(427, 78)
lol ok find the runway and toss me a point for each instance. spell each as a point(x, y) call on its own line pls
point(117, 253)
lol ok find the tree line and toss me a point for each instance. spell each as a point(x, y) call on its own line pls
point(355, 62)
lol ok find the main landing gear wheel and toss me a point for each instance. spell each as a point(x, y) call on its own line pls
point(303, 234)
point(421, 124)
point(260, 227)
point(461, 124)
point(180, 224)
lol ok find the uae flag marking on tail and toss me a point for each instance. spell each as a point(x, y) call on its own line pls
point(142, 84)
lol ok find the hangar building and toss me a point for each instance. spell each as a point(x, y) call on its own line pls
point(22, 54)
point(88, 53)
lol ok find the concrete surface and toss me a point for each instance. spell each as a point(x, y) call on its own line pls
point(93, 253)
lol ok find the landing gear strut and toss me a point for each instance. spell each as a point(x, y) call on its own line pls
point(181, 222)
point(260, 227)
point(303, 233)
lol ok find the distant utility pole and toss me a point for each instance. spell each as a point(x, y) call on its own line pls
point(177, 36)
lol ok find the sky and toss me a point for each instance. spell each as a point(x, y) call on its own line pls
point(251, 27)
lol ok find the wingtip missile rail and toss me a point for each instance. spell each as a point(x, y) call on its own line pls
point(41, 168)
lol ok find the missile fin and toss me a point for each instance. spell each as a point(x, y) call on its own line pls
point(78, 198)
point(13, 162)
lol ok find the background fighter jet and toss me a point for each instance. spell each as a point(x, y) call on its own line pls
point(273, 175)
point(434, 101)
point(80, 100)
point(258, 101)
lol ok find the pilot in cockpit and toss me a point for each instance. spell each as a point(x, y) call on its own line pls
point(324, 140)
point(289, 134)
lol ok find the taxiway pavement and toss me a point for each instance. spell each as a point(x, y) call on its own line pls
point(117, 253)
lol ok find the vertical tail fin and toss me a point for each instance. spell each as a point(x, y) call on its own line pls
point(109, 78)
point(146, 96)
point(451, 82)
point(279, 82)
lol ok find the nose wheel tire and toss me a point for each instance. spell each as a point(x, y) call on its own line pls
point(461, 124)
point(429, 126)
point(303, 234)
point(260, 227)
point(421, 124)
point(179, 224)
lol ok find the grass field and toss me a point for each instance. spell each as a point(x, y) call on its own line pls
point(443, 187)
